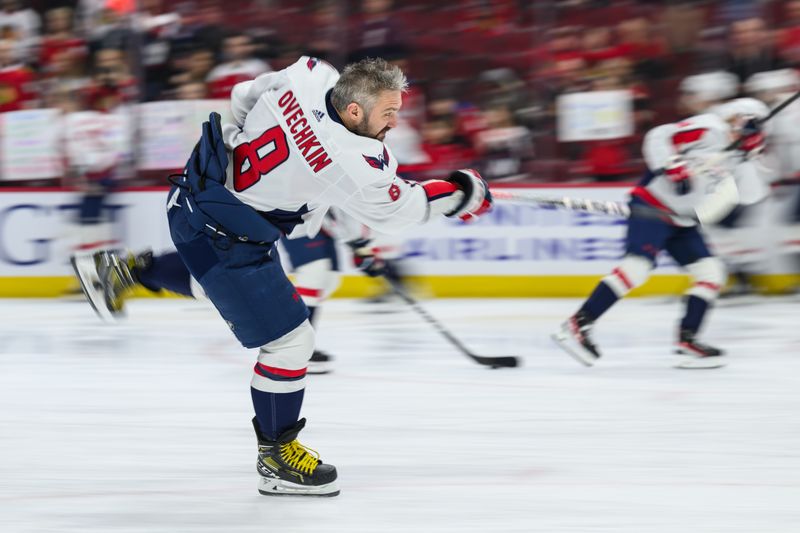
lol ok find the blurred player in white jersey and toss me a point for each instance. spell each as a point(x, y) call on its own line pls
point(701, 91)
point(302, 140)
point(774, 87)
point(682, 184)
point(734, 239)
point(737, 238)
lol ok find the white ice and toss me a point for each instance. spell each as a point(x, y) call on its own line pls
point(144, 426)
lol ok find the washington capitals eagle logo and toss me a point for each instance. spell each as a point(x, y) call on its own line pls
point(378, 162)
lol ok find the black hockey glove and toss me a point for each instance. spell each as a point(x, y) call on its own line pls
point(364, 258)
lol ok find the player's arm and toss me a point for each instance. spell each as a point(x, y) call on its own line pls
point(657, 147)
point(245, 94)
point(393, 205)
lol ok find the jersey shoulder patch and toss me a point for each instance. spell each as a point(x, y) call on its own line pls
point(380, 161)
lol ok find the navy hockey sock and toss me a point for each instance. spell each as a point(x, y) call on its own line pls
point(601, 299)
point(696, 308)
point(165, 272)
point(276, 412)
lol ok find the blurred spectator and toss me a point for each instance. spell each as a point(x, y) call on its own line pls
point(239, 65)
point(642, 45)
point(60, 40)
point(191, 67)
point(597, 45)
point(504, 147)
point(441, 146)
point(157, 28)
point(113, 28)
point(564, 43)
point(192, 90)
point(751, 49)
point(21, 24)
point(112, 83)
point(378, 32)
point(202, 26)
point(502, 84)
point(17, 82)
point(89, 14)
point(681, 23)
point(789, 36)
point(325, 33)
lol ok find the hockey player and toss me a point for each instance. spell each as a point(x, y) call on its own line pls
point(701, 91)
point(302, 140)
point(736, 238)
point(773, 88)
point(684, 185)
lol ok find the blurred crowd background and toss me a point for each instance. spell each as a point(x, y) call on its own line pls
point(487, 76)
point(96, 95)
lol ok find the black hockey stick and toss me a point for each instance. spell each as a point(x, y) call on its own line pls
point(507, 361)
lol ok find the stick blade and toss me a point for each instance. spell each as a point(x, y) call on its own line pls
point(508, 361)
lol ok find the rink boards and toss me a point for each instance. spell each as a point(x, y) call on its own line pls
point(517, 250)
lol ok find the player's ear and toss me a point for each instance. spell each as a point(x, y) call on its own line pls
point(354, 110)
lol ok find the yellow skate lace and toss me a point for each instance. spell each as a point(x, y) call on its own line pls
point(299, 457)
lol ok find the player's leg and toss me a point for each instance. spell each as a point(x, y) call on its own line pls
point(643, 242)
point(108, 277)
point(316, 277)
point(738, 242)
point(250, 290)
point(708, 274)
point(277, 389)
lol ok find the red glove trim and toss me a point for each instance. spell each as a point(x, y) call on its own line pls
point(435, 189)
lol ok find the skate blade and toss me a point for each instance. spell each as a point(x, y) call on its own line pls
point(565, 342)
point(692, 362)
point(86, 272)
point(279, 487)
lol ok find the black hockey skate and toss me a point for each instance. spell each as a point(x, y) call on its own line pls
point(287, 468)
point(106, 280)
point(573, 338)
point(696, 354)
point(320, 363)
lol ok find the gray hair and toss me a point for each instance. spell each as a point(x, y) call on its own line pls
point(363, 82)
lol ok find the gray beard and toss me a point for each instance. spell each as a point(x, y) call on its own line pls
point(362, 128)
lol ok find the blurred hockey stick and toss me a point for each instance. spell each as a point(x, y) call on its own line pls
point(621, 209)
point(572, 204)
point(492, 362)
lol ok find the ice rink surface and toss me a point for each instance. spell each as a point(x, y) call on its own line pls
point(145, 426)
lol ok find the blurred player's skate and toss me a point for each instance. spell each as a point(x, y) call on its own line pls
point(574, 338)
point(695, 354)
point(106, 280)
point(320, 363)
point(288, 468)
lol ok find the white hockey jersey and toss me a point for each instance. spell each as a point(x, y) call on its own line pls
point(700, 141)
point(783, 134)
point(291, 157)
